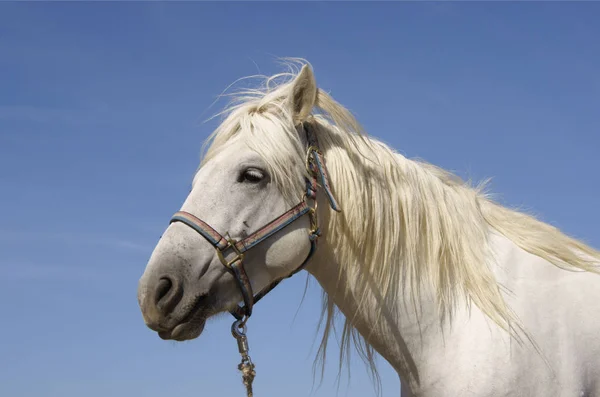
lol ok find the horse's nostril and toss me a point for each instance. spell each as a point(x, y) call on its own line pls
point(167, 295)
point(163, 287)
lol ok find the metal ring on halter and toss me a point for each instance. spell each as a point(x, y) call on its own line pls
point(238, 328)
point(231, 243)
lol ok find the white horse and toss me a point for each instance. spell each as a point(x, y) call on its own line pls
point(462, 296)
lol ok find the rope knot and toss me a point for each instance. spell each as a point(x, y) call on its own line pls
point(248, 374)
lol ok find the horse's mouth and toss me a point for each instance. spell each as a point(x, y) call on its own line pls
point(192, 324)
point(184, 331)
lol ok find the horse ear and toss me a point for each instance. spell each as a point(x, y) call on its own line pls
point(304, 94)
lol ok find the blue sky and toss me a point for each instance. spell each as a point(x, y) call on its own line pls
point(101, 123)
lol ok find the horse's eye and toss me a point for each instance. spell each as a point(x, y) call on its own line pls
point(252, 175)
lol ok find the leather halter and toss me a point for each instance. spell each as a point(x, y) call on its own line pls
point(227, 246)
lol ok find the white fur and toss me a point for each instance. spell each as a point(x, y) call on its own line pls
point(462, 296)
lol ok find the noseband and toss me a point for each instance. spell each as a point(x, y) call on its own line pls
point(231, 252)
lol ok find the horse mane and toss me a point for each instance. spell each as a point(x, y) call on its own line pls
point(405, 223)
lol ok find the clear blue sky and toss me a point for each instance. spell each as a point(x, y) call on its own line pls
point(101, 110)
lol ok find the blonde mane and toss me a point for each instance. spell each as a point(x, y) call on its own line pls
point(431, 228)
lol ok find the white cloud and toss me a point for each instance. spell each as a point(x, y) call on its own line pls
point(74, 238)
point(16, 271)
point(39, 114)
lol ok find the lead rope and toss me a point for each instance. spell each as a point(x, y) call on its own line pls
point(238, 330)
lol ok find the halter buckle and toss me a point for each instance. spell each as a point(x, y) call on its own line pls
point(230, 244)
point(310, 165)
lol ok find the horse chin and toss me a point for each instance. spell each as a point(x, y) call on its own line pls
point(185, 331)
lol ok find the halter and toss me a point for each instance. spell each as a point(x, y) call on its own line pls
point(231, 252)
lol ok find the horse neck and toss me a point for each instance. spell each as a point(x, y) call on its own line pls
point(407, 332)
